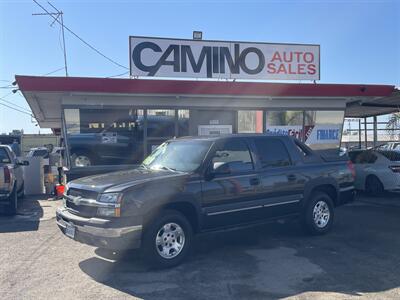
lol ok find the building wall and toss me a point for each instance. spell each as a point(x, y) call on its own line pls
point(29, 141)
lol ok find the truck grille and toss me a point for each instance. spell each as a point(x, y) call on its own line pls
point(82, 193)
point(81, 209)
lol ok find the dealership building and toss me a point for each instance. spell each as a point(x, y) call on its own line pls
point(197, 87)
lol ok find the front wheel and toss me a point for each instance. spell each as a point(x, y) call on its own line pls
point(167, 239)
point(318, 214)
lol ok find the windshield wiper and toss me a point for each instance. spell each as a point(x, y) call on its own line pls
point(144, 166)
point(168, 169)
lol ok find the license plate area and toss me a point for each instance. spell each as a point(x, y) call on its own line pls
point(70, 230)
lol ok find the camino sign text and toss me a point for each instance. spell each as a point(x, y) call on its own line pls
point(159, 57)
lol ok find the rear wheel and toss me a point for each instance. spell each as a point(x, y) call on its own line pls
point(318, 214)
point(11, 208)
point(374, 186)
point(167, 239)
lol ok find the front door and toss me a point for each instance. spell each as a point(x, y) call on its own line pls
point(227, 197)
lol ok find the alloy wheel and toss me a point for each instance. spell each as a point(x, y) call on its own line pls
point(170, 240)
point(321, 214)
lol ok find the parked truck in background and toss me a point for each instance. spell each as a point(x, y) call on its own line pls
point(192, 185)
point(121, 142)
point(11, 180)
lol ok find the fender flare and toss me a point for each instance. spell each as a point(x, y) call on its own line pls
point(312, 185)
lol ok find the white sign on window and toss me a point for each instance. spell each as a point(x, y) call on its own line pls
point(160, 57)
point(214, 129)
point(314, 134)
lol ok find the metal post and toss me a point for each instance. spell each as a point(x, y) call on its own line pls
point(264, 121)
point(359, 133)
point(365, 132)
point(375, 131)
point(176, 122)
point(145, 133)
point(65, 50)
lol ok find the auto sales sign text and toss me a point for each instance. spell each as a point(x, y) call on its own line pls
point(160, 57)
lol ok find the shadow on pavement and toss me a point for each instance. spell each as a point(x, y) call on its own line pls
point(270, 261)
point(386, 199)
point(28, 217)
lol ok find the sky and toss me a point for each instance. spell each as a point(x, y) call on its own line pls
point(360, 40)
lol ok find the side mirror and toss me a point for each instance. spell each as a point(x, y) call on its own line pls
point(218, 168)
point(23, 163)
point(221, 168)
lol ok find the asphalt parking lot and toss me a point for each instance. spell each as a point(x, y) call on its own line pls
point(359, 258)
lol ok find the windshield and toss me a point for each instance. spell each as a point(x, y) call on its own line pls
point(185, 156)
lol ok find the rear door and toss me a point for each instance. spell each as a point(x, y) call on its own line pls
point(281, 185)
point(229, 198)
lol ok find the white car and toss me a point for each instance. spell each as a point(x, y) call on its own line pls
point(376, 170)
point(389, 146)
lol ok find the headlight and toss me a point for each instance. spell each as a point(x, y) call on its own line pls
point(66, 189)
point(114, 208)
point(110, 198)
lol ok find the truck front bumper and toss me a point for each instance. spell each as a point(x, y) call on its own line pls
point(99, 232)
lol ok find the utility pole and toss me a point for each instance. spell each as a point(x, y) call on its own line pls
point(55, 16)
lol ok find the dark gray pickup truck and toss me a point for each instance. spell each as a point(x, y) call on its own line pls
point(192, 185)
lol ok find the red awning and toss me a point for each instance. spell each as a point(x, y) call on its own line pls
point(190, 87)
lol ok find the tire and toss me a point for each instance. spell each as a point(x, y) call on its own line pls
point(12, 207)
point(81, 158)
point(170, 228)
point(21, 193)
point(318, 214)
point(374, 186)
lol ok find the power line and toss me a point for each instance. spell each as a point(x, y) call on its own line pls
point(52, 72)
point(10, 107)
point(10, 103)
point(6, 95)
point(118, 75)
point(78, 37)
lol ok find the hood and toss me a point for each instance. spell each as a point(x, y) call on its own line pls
point(120, 180)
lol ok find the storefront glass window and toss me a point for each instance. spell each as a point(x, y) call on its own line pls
point(104, 136)
point(250, 121)
point(183, 122)
point(323, 129)
point(285, 122)
point(160, 127)
point(72, 121)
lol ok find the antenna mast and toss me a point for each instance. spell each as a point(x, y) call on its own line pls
point(55, 16)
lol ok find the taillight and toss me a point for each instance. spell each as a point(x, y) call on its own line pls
point(7, 175)
point(350, 166)
point(395, 169)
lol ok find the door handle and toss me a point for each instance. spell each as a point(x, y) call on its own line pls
point(291, 177)
point(254, 181)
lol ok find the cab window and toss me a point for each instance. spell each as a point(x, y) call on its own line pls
point(235, 152)
point(4, 158)
point(272, 153)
